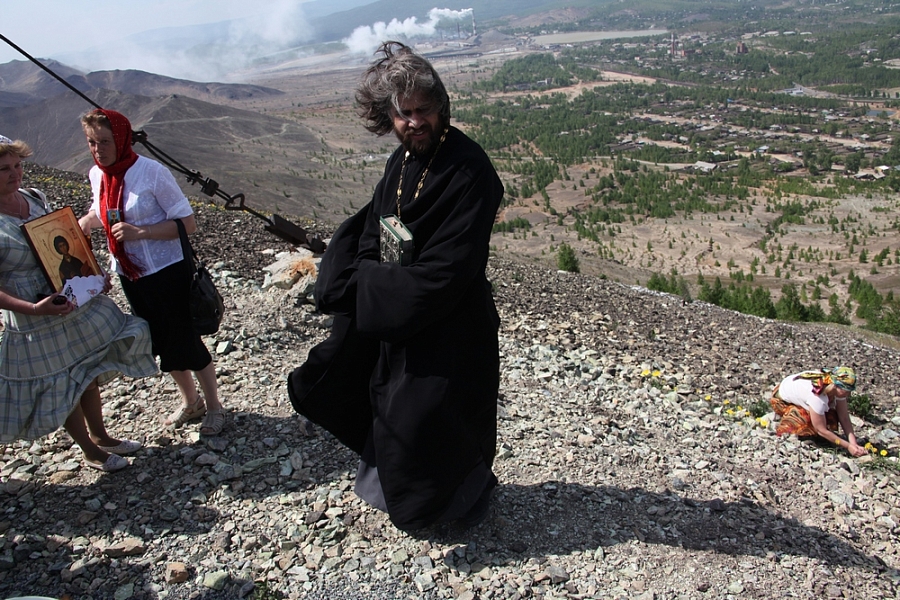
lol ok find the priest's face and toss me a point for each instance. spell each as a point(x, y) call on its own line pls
point(418, 124)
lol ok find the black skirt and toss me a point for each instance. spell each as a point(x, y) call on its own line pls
point(162, 300)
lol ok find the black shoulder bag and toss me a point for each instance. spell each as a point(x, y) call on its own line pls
point(207, 306)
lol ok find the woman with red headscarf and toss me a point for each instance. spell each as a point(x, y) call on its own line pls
point(136, 201)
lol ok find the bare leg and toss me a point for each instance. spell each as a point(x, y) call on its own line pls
point(91, 408)
point(214, 420)
point(185, 382)
point(207, 379)
point(76, 428)
point(192, 405)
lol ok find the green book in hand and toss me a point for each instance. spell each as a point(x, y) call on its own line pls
point(396, 241)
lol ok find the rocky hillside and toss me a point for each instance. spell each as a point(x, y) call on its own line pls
point(629, 464)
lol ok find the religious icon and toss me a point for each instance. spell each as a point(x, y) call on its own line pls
point(61, 247)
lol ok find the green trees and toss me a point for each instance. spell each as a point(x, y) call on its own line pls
point(868, 301)
point(566, 259)
point(511, 226)
point(741, 297)
point(790, 306)
point(557, 149)
point(536, 72)
point(882, 313)
point(744, 298)
point(852, 162)
point(675, 284)
point(892, 156)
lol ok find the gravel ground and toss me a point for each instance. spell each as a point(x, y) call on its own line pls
point(629, 465)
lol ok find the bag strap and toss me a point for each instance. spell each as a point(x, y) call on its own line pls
point(186, 249)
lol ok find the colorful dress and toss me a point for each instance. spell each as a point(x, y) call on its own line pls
point(47, 362)
point(794, 398)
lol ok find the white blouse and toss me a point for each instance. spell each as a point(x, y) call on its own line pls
point(151, 196)
point(800, 392)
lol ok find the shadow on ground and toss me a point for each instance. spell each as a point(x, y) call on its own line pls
point(52, 529)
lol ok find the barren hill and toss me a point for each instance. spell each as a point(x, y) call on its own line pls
point(24, 83)
point(629, 463)
point(244, 151)
point(27, 84)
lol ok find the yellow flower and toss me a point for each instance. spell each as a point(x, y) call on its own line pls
point(740, 407)
point(645, 372)
point(726, 401)
point(868, 446)
point(656, 373)
point(764, 422)
point(884, 452)
point(729, 412)
point(708, 398)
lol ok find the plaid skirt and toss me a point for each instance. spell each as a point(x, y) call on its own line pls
point(795, 419)
point(46, 363)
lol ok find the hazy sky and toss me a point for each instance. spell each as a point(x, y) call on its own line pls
point(45, 28)
point(90, 35)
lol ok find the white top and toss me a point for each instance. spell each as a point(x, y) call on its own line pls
point(800, 392)
point(151, 196)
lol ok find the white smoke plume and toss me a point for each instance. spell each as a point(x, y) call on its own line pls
point(365, 39)
point(213, 52)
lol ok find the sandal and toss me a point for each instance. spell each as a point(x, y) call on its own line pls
point(112, 464)
point(123, 447)
point(185, 413)
point(213, 422)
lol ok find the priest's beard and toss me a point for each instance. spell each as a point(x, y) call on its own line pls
point(421, 147)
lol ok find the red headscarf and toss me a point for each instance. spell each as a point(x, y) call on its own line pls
point(113, 184)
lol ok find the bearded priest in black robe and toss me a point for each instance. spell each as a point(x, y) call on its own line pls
point(409, 376)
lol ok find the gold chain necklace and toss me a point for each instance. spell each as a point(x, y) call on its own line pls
point(424, 173)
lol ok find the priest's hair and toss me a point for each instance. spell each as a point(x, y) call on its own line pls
point(398, 74)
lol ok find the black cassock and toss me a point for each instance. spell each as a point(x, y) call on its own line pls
point(409, 376)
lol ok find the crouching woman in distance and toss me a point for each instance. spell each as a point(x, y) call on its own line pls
point(53, 354)
point(814, 403)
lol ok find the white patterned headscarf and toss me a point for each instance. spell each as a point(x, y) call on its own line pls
point(5, 140)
